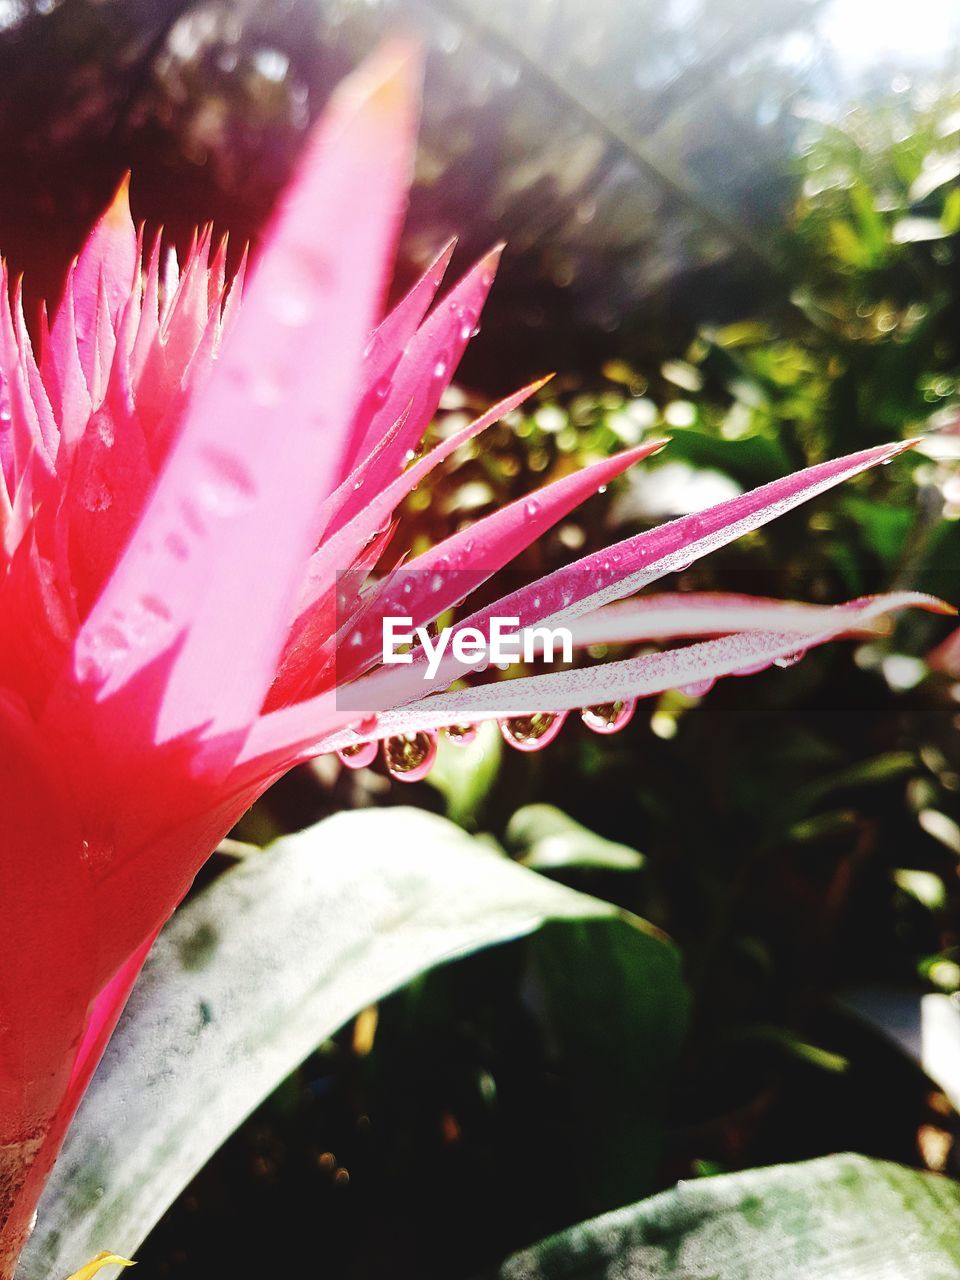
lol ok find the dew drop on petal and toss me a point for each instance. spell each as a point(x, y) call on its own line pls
point(293, 307)
point(790, 659)
point(532, 733)
point(531, 507)
point(154, 605)
point(226, 486)
point(359, 754)
point(177, 546)
point(609, 717)
point(461, 735)
point(410, 756)
point(266, 392)
point(697, 688)
point(103, 649)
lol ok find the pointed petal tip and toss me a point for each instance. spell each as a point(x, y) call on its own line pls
point(118, 210)
point(447, 250)
point(896, 447)
point(390, 79)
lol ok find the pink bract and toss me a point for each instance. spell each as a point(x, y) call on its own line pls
point(182, 476)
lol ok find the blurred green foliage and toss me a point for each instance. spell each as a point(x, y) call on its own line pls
point(800, 829)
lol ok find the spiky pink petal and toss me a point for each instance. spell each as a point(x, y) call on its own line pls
point(248, 450)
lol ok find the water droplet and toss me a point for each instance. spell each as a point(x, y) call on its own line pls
point(532, 733)
point(359, 754)
point(96, 496)
point(106, 646)
point(266, 392)
point(697, 688)
point(440, 369)
point(410, 756)
point(531, 507)
point(790, 659)
point(154, 605)
point(609, 717)
point(226, 486)
point(292, 307)
point(461, 735)
point(177, 546)
point(602, 489)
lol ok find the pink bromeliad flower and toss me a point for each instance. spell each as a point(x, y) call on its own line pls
point(182, 477)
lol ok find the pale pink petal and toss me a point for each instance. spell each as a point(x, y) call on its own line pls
point(742, 653)
point(672, 615)
point(232, 516)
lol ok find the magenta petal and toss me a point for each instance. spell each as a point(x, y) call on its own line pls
point(423, 374)
point(433, 582)
point(386, 347)
point(626, 567)
point(338, 551)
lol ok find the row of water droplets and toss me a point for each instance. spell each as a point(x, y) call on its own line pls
point(409, 757)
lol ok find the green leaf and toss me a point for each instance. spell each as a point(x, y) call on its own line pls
point(603, 984)
point(840, 1218)
point(464, 774)
point(751, 461)
point(252, 974)
point(884, 525)
point(549, 840)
